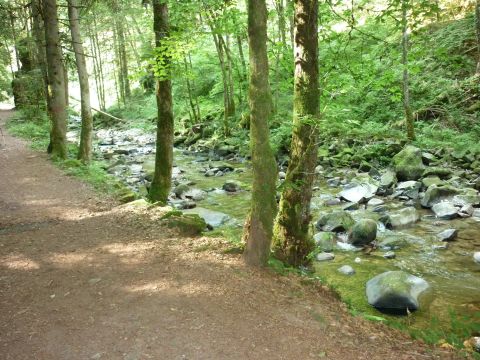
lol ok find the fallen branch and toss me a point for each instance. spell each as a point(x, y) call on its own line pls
point(100, 111)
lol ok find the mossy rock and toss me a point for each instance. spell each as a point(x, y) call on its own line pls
point(363, 232)
point(435, 194)
point(408, 163)
point(185, 224)
point(335, 221)
point(442, 173)
point(125, 195)
point(325, 240)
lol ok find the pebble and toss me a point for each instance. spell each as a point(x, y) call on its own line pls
point(324, 256)
point(346, 270)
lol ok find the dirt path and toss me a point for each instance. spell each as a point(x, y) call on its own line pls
point(81, 280)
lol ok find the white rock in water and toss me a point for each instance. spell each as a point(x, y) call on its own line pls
point(476, 257)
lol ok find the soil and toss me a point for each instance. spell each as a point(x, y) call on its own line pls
point(81, 278)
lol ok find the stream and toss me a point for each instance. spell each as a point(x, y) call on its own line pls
point(451, 272)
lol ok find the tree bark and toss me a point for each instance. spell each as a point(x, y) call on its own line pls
point(405, 81)
point(122, 50)
point(56, 81)
point(39, 34)
point(291, 238)
point(258, 227)
point(118, 65)
point(477, 27)
point(85, 148)
point(162, 179)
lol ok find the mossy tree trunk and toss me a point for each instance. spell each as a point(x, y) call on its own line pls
point(39, 34)
point(292, 242)
point(162, 179)
point(56, 81)
point(405, 82)
point(477, 28)
point(85, 149)
point(259, 224)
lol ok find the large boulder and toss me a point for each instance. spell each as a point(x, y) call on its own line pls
point(232, 186)
point(213, 219)
point(404, 217)
point(336, 221)
point(357, 193)
point(395, 292)
point(445, 210)
point(363, 232)
point(408, 163)
point(436, 194)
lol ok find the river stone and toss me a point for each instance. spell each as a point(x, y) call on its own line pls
point(358, 192)
point(335, 221)
point(363, 232)
point(431, 180)
point(392, 242)
point(375, 202)
point(445, 210)
point(346, 270)
point(428, 158)
point(404, 217)
point(195, 194)
point(476, 257)
point(388, 179)
point(442, 173)
point(436, 194)
point(409, 188)
point(325, 256)
point(447, 235)
point(325, 240)
point(408, 163)
point(210, 172)
point(466, 211)
point(213, 218)
point(390, 255)
point(468, 198)
point(232, 186)
point(395, 291)
point(180, 190)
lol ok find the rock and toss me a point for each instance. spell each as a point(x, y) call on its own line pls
point(232, 186)
point(180, 189)
point(333, 182)
point(428, 158)
point(183, 204)
point(282, 175)
point(225, 150)
point(447, 235)
point(389, 255)
point(466, 198)
point(325, 256)
point(375, 202)
point(346, 270)
point(404, 217)
point(392, 242)
point(388, 179)
point(351, 206)
point(357, 260)
point(213, 219)
point(195, 194)
point(443, 246)
point(395, 292)
point(363, 232)
point(442, 173)
point(210, 172)
point(476, 257)
point(325, 240)
point(466, 211)
point(358, 192)
point(409, 188)
point(436, 194)
point(431, 180)
point(186, 224)
point(335, 221)
point(408, 163)
point(445, 210)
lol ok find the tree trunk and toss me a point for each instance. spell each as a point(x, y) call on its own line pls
point(477, 26)
point(56, 81)
point(291, 239)
point(195, 116)
point(99, 61)
point(122, 51)
point(258, 227)
point(85, 149)
point(405, 85)
point(39, 34)
point(118, 66)
point(162, 179)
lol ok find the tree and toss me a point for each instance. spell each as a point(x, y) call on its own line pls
point(85, 149)
point(57, 108)
point(162, 179)
point(477, 28)
point(291, 239)
point(405, 86)
point(259, 224)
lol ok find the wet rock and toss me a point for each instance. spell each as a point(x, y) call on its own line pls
point(232, 186)
point(180, 190)
point(410, 189)
point(476, 257)
point(428, 158)
point(375, 202)
point(404, 217)
point(210, 172)
point(445, 210)
point(442, 173)
point(335, 221)
point(447, 235)
point(408, 163)
point(467, 198)
point(219, 173)
point(357, 193)
point(351, 206)
point(333, 182)
point(390, 255)
point(395, 291)
point(325, 240)
point(466, 211)
point(431, 180)
point(363, 232)
point(183, 204)
point(392, 242)
point(213, 219)
point(325, 256)
point(195, 194)
point(346, 270)
point(436, 194)
point(443, 246)
point(388, 179)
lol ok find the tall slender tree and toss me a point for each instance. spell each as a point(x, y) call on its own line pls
point(291, 237)
point(477, 28)
point(85, 149)
point(57, 105)
point(259, 224)
point(162, 179)
point(405, 81)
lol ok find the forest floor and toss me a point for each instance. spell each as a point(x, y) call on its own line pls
point(82, 279)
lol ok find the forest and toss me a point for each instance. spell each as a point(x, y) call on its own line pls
point(332, 142)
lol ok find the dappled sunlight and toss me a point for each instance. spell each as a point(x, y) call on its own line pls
point(166, 285)
point(67, 260)
point(19, 262)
